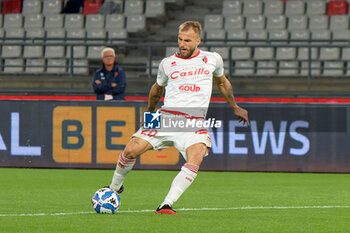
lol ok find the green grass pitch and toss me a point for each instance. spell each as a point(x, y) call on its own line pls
point(58, 200)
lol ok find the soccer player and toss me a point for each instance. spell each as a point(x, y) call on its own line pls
point(187, 78)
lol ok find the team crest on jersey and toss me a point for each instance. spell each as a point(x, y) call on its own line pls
point(205, 60)
point(173, 63)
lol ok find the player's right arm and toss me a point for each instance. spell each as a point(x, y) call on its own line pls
point(158, 87)
point(155, 95)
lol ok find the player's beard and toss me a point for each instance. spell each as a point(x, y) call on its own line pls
point(187, 53)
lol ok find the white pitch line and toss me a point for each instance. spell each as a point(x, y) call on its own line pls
point(183, 209)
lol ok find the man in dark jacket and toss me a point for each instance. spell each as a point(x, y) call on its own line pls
point(109, 81)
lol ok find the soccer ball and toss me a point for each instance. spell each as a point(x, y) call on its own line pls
point(105, 201)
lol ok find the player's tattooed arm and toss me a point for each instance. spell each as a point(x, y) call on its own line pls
point(226, 91)
point(155, 95)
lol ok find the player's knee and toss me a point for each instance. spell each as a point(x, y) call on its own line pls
point(130, 152)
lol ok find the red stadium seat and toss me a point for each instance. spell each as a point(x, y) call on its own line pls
point(92, 6)
point(11, 6)
point(337, 7)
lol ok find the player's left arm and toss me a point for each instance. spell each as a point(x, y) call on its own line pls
point(226, 91)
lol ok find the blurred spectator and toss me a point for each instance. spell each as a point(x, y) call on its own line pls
point(109, 81)
point(73, 6)
point(111, 7)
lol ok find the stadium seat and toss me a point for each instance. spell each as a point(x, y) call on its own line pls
point(315, 68)
point(339, 22)
point(11, 51)
point(91, 7)
point(54, 51)
point(318, 22)
point(329, 54)
point(94, 52)
point(274, 7)
point(244, 68)
point(231, 7)
point(236, 34)
point(213, 22)
point(341, 34)
point(135, 23)
point(155, 66)
point(31, 7)
point(347, 69)
point(321, 34)
point(215, 34)
point(275, 22)
point(297, 22)
point(76, 35)
point(34, 51)
point(96, 35)
point(234, 22)
point(54, 21)
point(280, 35)
point(55, 35)
point(52, 7)
point(288, 68)
point(13, 21)
point(345, 54)
point(115, 21)
point(115, 36)
point(133, 7)
point(35, 65)
point(94, 21)
point(333, 68)
point(241, 53)
point(337, 7)
point(78, 51)
point(255, 22)
point(266, 68)
point(154, 8)
point(252, 7)
point(80, 66)
point(13, 65)
point(33, 21)
point(285, 53)
point(169, 51)
point(11, 6)
point(14, 35)
point(263, 53)
point(299, 35)
point(2, 34)
point(73, 21)
point(303, 53)
point(316, 7)
point(296, 7)
point(223, 51)
point(259, 34)
point(56, 66)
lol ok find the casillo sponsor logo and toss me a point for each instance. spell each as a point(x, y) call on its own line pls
point(191, 88)
point(198, 71)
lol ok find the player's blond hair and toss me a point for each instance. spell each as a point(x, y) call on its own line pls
point(107, 49)
point(195, 25)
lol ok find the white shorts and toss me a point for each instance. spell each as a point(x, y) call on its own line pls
point(180, 140)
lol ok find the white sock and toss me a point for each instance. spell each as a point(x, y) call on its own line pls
point(180, 183)
point(124, 165)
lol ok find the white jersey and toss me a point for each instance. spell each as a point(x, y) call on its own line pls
point(188, 82)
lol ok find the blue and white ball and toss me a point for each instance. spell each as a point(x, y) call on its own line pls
point(106, 201)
